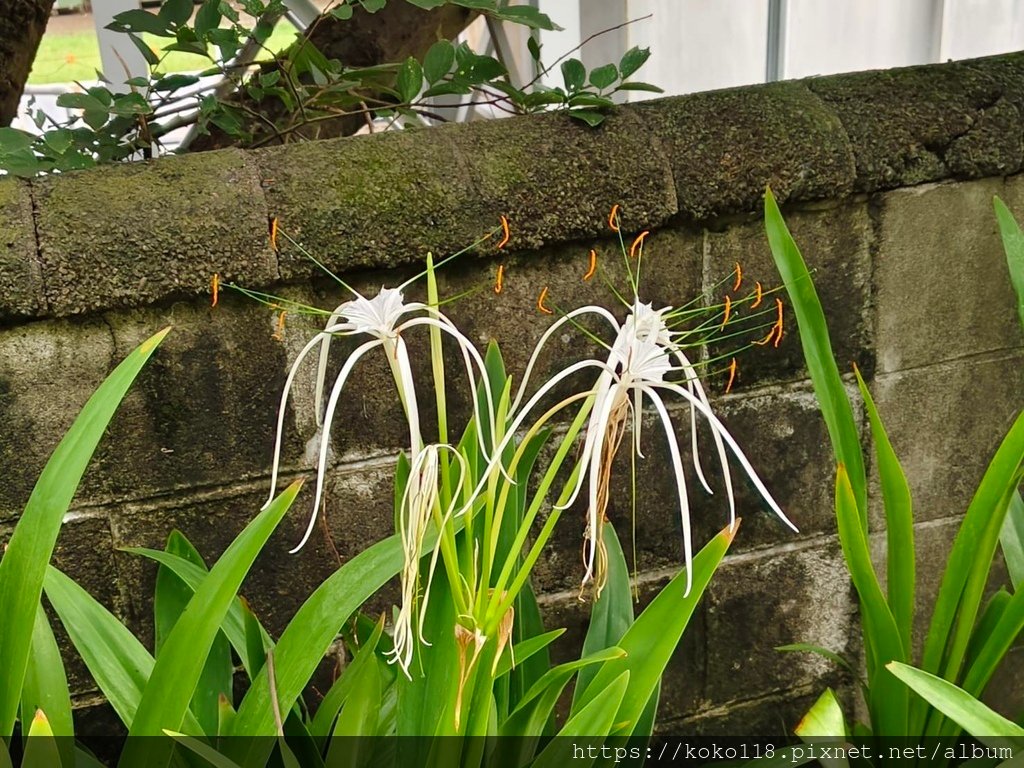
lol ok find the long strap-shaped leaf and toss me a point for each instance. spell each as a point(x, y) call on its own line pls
point(165, 702)
point(116, 659)
point(821, 363)
point(650, 642)
point(46, 687)
point(23, 566)
point(888, 699)
point(963, 582)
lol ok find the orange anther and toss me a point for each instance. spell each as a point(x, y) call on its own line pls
point(613, 218)
point(732, 375)
point(739, 277)
point(759, 293)
point(273, 233)
point(726, 312)
point(499, 281)
point(215, 289)
point(505, 234)
point(540, 302)
point(279, 333)
point(593, 265)
point(638, 243)
point(778, 324)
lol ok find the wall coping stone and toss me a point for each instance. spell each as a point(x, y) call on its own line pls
point(136, 234)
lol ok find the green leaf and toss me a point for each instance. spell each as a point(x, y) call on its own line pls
point(594, 720)
point(632, 60)
point(23, 566)
point(821, 364)
point(40, 746)
point(117, 661)
point(988, 727)
point(593, 119)
point(427, 5)
point(174, 82)
point(410, 80)
point(533, 47)
point(372, 6)
point(970, 560)
point(46, 688)
point(438, 61)
point(202, 749)
point(832, 656)
point(888, 700)
point(144, 48)
point(83, 101)
point(1011, 539)
point(180, 663)
point(650, 642)
point(359, 717)
point(176, 12)
point(139, 21)
point(899, 523)
point(612, 613)
point(527, 649)
point(342, 12)
point(824, 718)
point(574, 74)
point(60, 141)
point(996, 643)
point(13, 140)
point(207, 18)
point(526, 15)
point(604, 76)
point(1013, 245)
point(639, 87)
point(327, 711)
point(130, 104)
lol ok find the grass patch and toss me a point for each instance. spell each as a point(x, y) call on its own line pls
point(67, 58)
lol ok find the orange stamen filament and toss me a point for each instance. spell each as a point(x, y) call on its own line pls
point(593, 265)
point(759, 293)
point(540, 302)
point(613, 218)
point(279, 333)
point(505, 233)
point(726, 312)
point(638, 243)
point(215, 289)
point(739, 277)
point(499, 282)
point(732, 375)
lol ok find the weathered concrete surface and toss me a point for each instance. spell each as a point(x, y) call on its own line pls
point(21, 281)
point(127, 235)
point(918, 124)
point(942, 289)
point(724, 147)
point(945, 422)
point(836, 243)
point(47, 372)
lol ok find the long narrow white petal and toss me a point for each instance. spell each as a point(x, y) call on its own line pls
point(693, 384)
point(283, 405)
point(339, 383)
point(321, 366)
point(717, 425)
point(677, 468)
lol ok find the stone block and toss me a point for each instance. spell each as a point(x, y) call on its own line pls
point(204, 409)
point(724, 147)
point(47, 372)
point(942, 290)
point(945, 422)
point(21, 280)
point(783, 436)
point(835, 242)
point(757, 602)
point(557, 179)
point(130, 234)
point(916, 124)
point(358, 513)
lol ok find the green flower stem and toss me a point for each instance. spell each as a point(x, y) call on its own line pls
point(437, 367)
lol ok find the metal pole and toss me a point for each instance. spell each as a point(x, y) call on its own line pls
point(775, 61)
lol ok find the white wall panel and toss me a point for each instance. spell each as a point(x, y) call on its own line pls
point(981, 28)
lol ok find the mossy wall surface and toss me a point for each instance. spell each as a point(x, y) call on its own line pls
point(887, 180)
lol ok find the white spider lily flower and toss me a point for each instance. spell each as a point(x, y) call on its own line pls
point(420, 501)
point(383, 318)
point(641, 358)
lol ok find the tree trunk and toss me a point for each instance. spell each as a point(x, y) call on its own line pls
point(391, 35)
point(22, 23)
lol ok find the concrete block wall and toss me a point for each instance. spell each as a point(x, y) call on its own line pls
point(886, 178)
